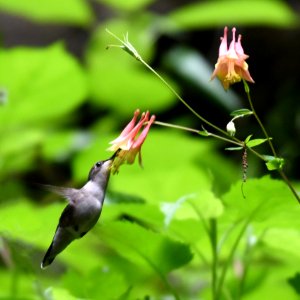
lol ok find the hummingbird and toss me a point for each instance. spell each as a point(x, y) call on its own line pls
point(83, 210)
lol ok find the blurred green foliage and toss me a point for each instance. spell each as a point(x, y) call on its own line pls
point(155, 238)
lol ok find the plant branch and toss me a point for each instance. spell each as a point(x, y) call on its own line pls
point(233, 249)
point(280, 171)
point(213, 241)
point(236, 142)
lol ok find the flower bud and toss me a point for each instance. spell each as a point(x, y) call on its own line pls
point(231, 128)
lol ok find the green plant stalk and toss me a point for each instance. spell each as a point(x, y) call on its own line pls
point(213, 242)
point(180, 98)
point(127, 47)
point(235, 142)
point(247, 260)
point(211, 231)
point(282, 174)
point(232, 252)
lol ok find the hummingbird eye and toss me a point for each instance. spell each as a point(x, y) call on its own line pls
point(98, 164)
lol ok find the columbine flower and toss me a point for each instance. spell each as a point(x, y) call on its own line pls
point(129, 144)
point(231, 66)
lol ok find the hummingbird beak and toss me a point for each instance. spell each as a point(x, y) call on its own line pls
point(115, 154)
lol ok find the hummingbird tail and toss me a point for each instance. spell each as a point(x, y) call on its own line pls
point(48, 258)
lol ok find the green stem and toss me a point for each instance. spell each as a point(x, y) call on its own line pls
point(287, 181)
point(213, 242)
point(236, 142)
point(281, 172)
point(232, 252)
point(181, 99)
point(260, 122)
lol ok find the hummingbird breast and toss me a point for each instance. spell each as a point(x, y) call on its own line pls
point(86, 215)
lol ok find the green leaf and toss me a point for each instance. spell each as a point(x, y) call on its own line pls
point(18, 141)
point(271, 198)
point(100, 283)
point(283, 241)
point(60, 145)
point(255, 142)
point(274, 163)
point(234, 148)
point(205, 203)
point(241, 112)
point(204, 132)
point(147, 214)
point(24, 221)
point(218, 13)
point(295, 282)
point(128, 5)
point(144, 247)
point(61, 293)
point(43, 84)
point(248, 138)
point(75, 12)
point(18, 148)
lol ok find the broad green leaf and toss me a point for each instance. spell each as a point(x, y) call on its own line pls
point(148, 215)
point(119, 81)
point(17, 141)
point(75, 12)
point(295, 282)
point(61, 293)
point(204, 204)
point(218, 13)
point(106, 284)
point(274, 163)
point(189, 231)
point(271, 198)
point(255, 142)
point(144, 247)
point(25, 221)
point(60, 145)
point(274, 284)
point(241, 112)
point(18, 148)
point(128, 5)
point(284, 242)
point(43, 84)
point(100, 283)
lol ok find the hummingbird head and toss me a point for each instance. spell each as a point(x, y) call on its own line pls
point(100, 172)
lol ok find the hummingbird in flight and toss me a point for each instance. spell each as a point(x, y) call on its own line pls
point(83, 210)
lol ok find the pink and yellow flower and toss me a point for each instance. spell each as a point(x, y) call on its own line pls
point(129, 142)
point(231, 66)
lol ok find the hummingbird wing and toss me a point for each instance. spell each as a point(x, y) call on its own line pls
point(67, 217)
point(67, 193)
